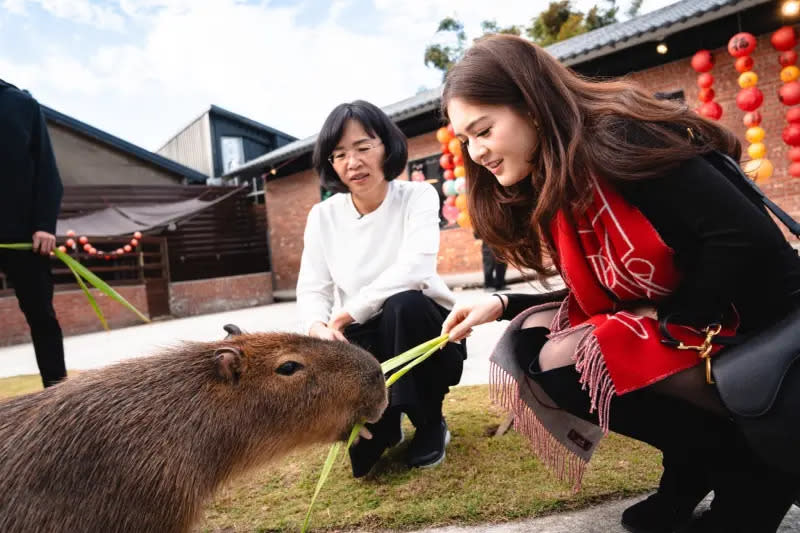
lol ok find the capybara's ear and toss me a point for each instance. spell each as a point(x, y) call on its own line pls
point(229, 363)
point(232, 329)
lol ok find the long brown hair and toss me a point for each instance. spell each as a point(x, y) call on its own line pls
point(612, 129)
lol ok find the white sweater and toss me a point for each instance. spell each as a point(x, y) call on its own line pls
point(363, 260)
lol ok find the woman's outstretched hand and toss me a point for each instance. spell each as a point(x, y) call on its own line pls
point(464, 317)
point(322, 331)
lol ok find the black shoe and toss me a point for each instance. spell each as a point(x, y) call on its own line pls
point(708, 522)
point(386, 432)
point(427, 449)
point(654, 515)
point(364, 454)
point(671, 507)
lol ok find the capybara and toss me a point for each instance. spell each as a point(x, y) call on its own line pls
point(141, 445)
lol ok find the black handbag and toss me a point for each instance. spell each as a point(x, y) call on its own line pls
point(758, 377)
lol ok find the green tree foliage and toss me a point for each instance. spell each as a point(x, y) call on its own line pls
point(558, 22)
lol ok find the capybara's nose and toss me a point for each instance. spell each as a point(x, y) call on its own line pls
point(377, 376)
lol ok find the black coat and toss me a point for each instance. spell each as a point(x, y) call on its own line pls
point(30, 186)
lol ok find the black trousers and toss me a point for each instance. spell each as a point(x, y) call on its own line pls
point(408, 319)
point(494, 271)
point(32, 279)
point(701, 446)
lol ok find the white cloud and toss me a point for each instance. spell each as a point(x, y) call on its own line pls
point(16, 7)
point(81, 11)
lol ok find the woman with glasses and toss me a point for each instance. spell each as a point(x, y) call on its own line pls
point(368, 274)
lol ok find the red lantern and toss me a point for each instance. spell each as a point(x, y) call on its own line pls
point(791, 135)
point(793, 115)
point(783, 39)
point(789, 93)
point(87, 247)
point(137, 235)
point(458, 160)
point(446, 161)
point(705, 80)
point(445, 148)
point(70, 243)
point(448, 175)
point(741, 44)
point(794, 170)
point(127, 248)
point(794, 153)
point(749, 99)
point(752, 119)
point(134, 242)
point(702, 61)
point(787, 58)
point(706, 94)
point(744, 64)
point(711, 110)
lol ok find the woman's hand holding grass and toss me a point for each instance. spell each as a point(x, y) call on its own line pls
point(464, 317)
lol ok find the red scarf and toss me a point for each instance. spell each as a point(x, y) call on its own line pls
point(610, 256)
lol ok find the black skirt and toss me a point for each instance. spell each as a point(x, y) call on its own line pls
point(406, 320)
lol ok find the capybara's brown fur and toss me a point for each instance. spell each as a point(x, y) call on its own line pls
point(141, 445)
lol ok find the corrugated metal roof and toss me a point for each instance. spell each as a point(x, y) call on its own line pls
point(602, 41)
point(120, 144)
point(685, 14)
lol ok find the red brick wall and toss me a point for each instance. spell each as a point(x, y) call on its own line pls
point(288, 201)
point(74, 313)
point(189, 298)
point(782, 188)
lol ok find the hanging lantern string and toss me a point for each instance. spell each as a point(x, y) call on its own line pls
point(784, 40)
point(749, 99)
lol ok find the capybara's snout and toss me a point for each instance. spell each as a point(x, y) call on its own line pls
point(372, 383)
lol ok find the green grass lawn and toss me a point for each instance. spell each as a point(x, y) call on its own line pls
point(483, 479)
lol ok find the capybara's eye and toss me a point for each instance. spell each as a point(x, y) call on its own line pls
point(288, 368)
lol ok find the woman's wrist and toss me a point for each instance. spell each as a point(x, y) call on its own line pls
point(503, 305)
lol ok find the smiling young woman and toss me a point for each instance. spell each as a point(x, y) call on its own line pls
point(627, 197)
point(373, 250)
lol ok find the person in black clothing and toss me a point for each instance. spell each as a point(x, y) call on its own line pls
point(30, 198)
point(494, 270)
point(629, 198)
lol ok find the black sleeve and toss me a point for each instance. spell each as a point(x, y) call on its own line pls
point(719, 236)
point(517, 303)
point(47, 187)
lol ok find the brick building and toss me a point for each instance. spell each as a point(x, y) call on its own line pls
point(624, 49)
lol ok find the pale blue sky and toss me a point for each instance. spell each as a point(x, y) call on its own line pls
point(142, 69)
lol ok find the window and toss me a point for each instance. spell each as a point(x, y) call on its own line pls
point(232, 153)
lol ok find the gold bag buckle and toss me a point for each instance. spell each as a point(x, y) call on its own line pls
point(704, 350)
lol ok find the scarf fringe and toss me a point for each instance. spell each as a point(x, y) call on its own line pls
point(594, 373)
point(504, 391)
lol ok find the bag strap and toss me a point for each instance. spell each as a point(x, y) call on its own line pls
point(782, 215)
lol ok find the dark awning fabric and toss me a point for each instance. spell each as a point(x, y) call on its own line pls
point(124, 220)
